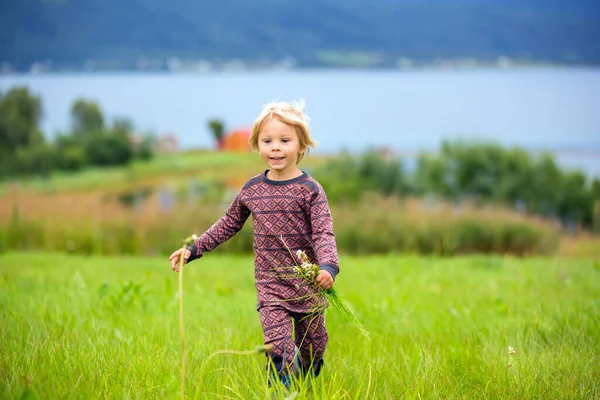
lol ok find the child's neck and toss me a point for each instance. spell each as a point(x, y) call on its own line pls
point(283, 175)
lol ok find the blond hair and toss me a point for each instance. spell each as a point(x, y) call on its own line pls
point(290, 114)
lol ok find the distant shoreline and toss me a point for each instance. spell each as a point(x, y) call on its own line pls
point(321, 69)
point(584, 149)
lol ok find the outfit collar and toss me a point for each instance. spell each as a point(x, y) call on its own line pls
point(280, 183)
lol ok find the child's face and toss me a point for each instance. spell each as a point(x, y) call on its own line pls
point(279, 146)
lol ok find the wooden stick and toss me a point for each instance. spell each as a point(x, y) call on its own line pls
point(181, 332)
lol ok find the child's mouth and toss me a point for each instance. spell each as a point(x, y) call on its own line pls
point(276, 158)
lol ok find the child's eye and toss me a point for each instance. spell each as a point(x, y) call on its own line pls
point(266, 140)
point(285, 140)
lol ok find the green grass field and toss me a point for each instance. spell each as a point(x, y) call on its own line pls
point(81, 327)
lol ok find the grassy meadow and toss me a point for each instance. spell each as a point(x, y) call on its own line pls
point(108, 327)
point(103, 321)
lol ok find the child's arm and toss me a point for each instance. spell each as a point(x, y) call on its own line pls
point(322, 233)
point(222, 230)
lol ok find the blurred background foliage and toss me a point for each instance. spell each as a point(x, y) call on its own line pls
point(99, 188)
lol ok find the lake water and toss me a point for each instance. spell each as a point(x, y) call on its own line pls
point(407, 111)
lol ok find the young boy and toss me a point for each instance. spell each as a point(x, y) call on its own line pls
point(290, 212)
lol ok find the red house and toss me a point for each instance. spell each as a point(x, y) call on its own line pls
point(236, 141)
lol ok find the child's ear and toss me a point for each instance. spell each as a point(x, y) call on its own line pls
point(302, 150)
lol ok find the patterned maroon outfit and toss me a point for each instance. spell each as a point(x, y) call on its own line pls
point(293, 213)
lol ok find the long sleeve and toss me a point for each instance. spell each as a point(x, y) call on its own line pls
point(322, 232)
point(222, 230)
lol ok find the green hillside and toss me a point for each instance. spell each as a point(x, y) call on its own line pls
point(71, 33)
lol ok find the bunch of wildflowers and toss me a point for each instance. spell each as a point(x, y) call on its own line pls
point(309, 272)
point(306, 269)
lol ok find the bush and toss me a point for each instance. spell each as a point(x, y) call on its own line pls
point(407, 226)
point(40, 159)
point(145, 150)
point(478, 172)
point(395, 227)
point(108, 148)
point(72, 158)
point(347, 178)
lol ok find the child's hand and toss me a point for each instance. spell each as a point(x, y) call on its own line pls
point(176, 256)
point(324, 279)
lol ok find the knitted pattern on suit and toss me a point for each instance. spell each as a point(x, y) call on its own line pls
point(293, 213)
point(310, 337)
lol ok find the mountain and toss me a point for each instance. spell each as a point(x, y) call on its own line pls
point(118, 33)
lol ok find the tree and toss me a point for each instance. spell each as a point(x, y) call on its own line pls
point(124, 125)
point(595, 190)
point(575, 206)
point(385, 176)
point(218, 130)
point(432, 176)
point(546, 186)
point(20, 114)
point(86, 117)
